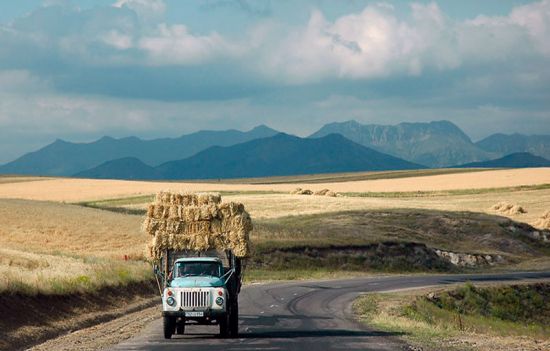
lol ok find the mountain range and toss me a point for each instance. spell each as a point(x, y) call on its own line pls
point(262, 151)
point(63, 158)
point(508, 144)
point(434, 144)
point(278, 155)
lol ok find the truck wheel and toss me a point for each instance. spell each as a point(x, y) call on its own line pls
point(224, 326)
point(180, 327)
point(169, 325)
point(234, 320)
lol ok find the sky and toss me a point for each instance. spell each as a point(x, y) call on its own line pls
point(79, 70)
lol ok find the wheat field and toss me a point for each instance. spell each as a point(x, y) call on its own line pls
point(75, 190)
point(52, 247)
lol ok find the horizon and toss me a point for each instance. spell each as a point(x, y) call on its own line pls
point(80, 70)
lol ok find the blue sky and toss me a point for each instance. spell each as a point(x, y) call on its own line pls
point(78, 70)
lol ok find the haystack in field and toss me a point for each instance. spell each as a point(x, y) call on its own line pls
point(295, 191)
point(321, 192)
point(300, 191)
point(544, 221)
point(196, 222)
point(509, 209)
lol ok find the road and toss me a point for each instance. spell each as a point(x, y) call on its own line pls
point(311, 316)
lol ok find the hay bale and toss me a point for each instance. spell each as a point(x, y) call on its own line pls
point(544, 221)
point(198, 222)
point(321, 192)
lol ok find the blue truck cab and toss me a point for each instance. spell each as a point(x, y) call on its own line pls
point(199, 289)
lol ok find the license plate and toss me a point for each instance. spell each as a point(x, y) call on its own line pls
point(194, 314)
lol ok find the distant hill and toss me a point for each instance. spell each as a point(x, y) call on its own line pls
point(516, 160)
point(64, 158)
point(122, 168)
point(505, 144)
point(434, 144)
point(278, 155)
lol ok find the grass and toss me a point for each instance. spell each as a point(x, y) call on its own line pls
point(347, 176)
point(387, 241)
point(458, 231)
point(8, 179)
point(505, 190)
point(527, 304)
point(484, 318)
point(31, 274)
point(58, 248)
point(262, 275)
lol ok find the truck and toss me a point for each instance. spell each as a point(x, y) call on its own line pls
point(199, 288)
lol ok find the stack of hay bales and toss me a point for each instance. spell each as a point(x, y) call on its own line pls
point(198, 222)
point(544, 221)
point(509, 209)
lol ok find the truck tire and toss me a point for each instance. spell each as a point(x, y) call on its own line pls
point(224, 326)
point(234, 320)
point(169, 326)
point(180, 327)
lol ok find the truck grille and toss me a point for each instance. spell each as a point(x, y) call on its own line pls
point(195, 299)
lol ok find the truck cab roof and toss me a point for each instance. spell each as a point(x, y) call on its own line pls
point(198, 259)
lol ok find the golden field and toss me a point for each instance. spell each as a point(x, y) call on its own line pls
point(58, 248)
point(75, 190)
point(50, 242)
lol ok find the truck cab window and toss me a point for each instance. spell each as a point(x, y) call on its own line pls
point(187, 269)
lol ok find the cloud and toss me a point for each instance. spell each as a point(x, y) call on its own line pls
point(135, 68)
point(256, 8)
point(373, 43)
point(174, 44)
point(147, 9)
point(377, 42)
point(535, 18)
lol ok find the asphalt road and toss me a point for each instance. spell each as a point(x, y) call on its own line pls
point(310, 316)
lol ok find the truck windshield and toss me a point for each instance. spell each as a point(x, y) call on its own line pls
point(186, 269)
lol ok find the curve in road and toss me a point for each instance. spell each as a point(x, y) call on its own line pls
point(307, 315)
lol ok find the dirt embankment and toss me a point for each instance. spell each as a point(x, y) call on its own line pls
point(397, 240)
point(30, 320)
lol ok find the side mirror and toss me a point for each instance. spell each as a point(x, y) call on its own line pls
point(158, 272)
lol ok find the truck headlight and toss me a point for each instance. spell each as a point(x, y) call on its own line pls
point(171, 301)
point(219, 301)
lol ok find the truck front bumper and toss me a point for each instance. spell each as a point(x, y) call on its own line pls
point(208, 314)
